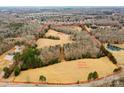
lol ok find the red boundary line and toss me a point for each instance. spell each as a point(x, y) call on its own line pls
point(73, 83)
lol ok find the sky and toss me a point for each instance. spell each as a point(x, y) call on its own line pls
point(61, 2)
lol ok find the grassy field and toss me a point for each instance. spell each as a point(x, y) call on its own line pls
point(119, 45)
point(68, 27)
point(64, 38)
point(3, 61)
point(69, 71)
point(74, 28)
point(49, 42)
point(119, 55)
point(66, 71)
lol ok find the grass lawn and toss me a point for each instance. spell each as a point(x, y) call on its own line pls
point(69, 71)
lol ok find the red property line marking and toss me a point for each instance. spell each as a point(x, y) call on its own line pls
point(82, 65)
point(72, 83)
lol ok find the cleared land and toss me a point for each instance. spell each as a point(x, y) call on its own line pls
point(54, 33)
point(119, 45)
point(64, 38)
point(4, 62)
point(66, 71)
point(49, 42)
point(119, 55)
point(71, 28)
point(69, 71)
point(75, 28)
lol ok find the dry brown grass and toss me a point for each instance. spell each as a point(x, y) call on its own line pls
point(119, 45)
point(64, 38)
point(3, 61)
point(70, 71)
point(119, 55)
point(48, 42)
point(76, 28)
point(66, 71)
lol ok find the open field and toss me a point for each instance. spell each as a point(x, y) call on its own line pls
point(4, 62)
point(119, 45)
point(64, 38)
point(69, 28)
point(75, 70)
point(119, 55)
point(49, 42)
point(75, 28)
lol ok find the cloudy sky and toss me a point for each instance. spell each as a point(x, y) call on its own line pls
point(61, 2)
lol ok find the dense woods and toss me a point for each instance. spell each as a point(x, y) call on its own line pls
point(109, 35)
point(82, 47)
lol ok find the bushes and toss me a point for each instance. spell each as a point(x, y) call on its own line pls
point(19, 43)
point(117, 69)
point(78, 82)
point(108, 54)
point(17, 71)
point(7, 72)
point(92, 76)
point(112, 58)
point(42, 78)
point(95, 75)
point(53, 37)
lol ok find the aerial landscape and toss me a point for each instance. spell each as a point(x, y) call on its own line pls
point(62, 46)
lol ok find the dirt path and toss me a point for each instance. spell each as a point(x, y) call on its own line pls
point(62, 54)
point(93, 37)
